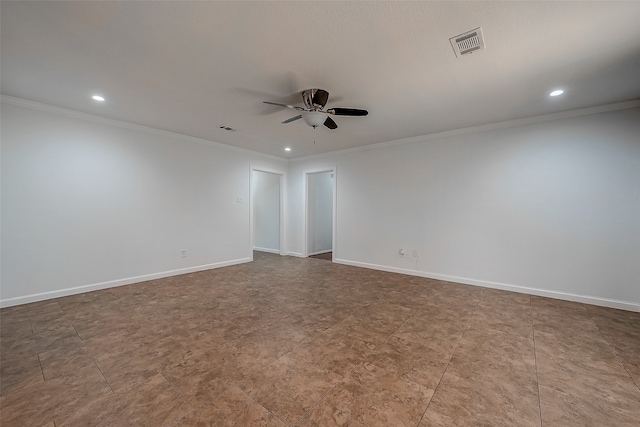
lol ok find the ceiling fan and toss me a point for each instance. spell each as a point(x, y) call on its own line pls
point(314, 113)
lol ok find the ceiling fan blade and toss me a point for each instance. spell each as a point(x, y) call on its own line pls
point(320, 97)
point(347, 112)
point(330, 123)
point(294, 107)
point(292, 119)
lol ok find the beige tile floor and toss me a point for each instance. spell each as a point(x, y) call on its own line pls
point(302, 342)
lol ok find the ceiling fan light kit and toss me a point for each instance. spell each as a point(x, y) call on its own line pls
point(314, 118)
point(314, 113)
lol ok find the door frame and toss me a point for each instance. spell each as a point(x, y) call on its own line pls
point(334, 236)
point(283, 176)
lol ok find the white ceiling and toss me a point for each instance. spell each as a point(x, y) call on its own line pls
point(189, 67)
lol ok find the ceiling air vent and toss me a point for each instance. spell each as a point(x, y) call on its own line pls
point(225, 127)
point(467, 42)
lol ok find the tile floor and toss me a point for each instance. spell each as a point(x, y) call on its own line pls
point(300, 342)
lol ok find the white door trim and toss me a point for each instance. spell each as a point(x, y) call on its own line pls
point(334, 243)
point(283, 176)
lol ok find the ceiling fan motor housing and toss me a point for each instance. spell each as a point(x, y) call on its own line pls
point(315, 99)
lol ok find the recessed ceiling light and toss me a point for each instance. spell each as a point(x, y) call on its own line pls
point(556, 92)
point(98, 98)
point(287, 148)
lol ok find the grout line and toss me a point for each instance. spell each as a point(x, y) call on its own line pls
point(435, 390)
point(535, 358)
point(105, 378)
point(41, 370)
point(304, 341)
point(175, 422)
point(258, 403)
point(179, 392)
point(350, 370)
point(613, 349)
point(325, 395)
point(301, 343)
point(76, 331)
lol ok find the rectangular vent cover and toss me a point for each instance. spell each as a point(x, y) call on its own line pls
point(467, 42)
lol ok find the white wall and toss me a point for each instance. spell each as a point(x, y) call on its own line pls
point(551, 208)
point(320, 213)
point(86, 204)
point(266, 211)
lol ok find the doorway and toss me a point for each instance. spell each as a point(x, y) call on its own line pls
point(267, 225)
point(320, 214)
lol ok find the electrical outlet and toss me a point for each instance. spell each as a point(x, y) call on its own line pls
point(183, 253)
point(401, 251)
point(415, 253)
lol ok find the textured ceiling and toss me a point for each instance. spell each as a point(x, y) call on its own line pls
point(189, 67)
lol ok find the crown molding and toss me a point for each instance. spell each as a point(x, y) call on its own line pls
point(12, 100)
point(34, 105)
point(634, 103)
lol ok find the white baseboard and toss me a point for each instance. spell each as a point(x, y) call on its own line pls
point(296, 254)
point(603, 302)
point(113, 283)
point(271, 251)
point(319, 252)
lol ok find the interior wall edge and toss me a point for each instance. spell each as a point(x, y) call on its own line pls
point(9, 302)
point(585, 299)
